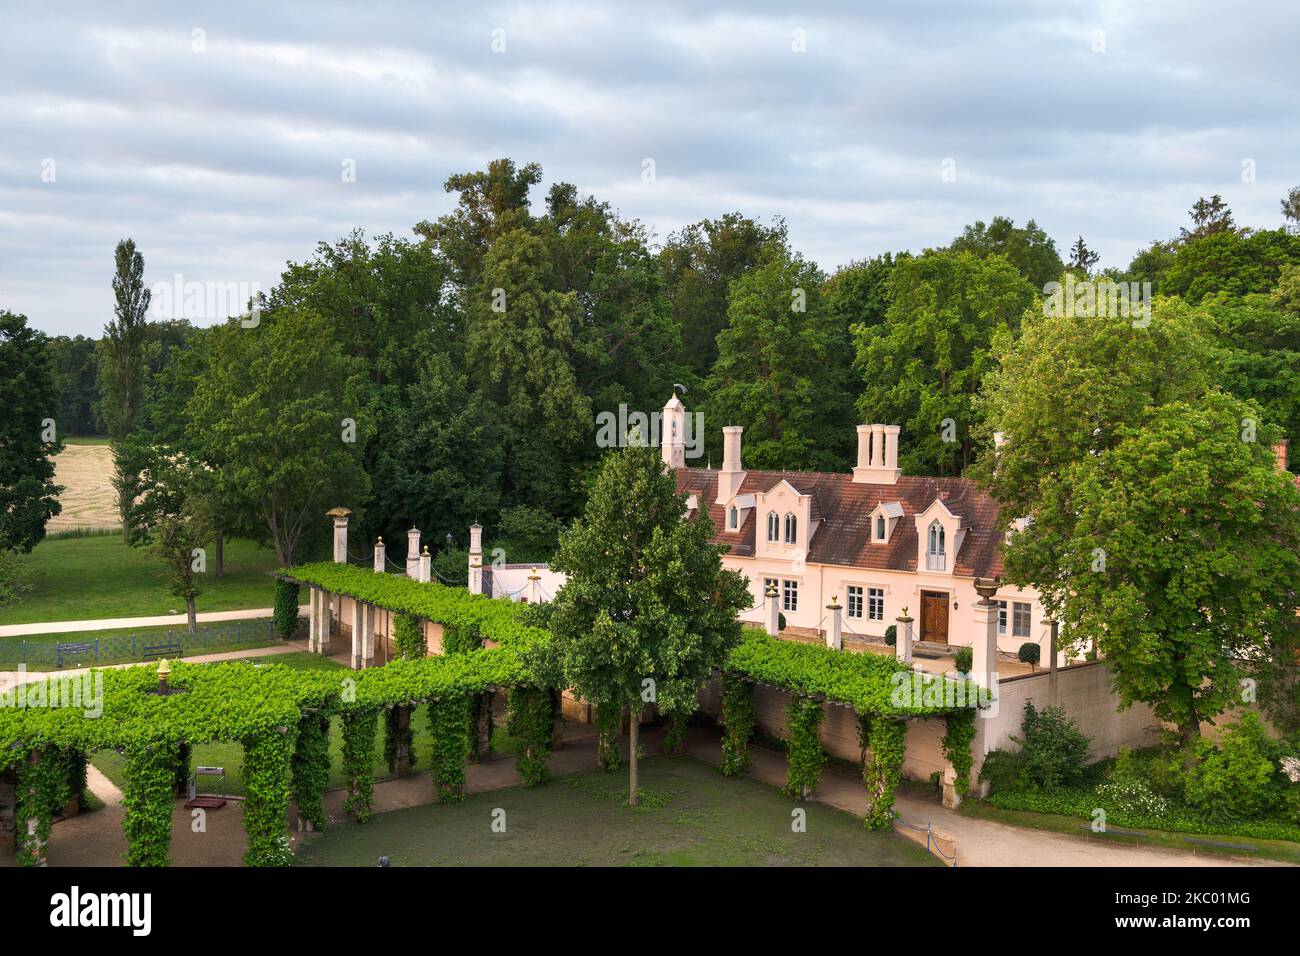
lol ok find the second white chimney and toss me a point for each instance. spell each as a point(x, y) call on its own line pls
point(877, 455)
point(731, 476)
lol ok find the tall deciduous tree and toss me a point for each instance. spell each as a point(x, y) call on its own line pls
point(122, 370)
point(923, 367)
point(174, 521)
point(647, 612)
point(699, 264)
point(783, 369)
point(1154, 529)
point(279, 409)
point(28, 495)
point(1031, 250)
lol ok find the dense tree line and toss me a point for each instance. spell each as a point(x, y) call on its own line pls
point(473, 357)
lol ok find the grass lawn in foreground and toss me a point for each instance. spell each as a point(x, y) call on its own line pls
point(690, 815)
point(84, 578)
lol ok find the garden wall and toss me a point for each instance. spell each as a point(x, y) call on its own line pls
point(1086, 694)
point(839, 729)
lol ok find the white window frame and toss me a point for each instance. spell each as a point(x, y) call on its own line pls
point(1002, 618)
point(791, 528)
point(875, 604)
point(936, 554)
point(790, 596)
point(732, 518)
point(881, 530)
point(855, 602)
point(773, 527)
point(1019, 608)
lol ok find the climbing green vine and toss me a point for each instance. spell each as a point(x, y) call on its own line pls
point(737, 724)
point(408, 637)
point(452, 727)
point(310, 768)
point(805, 755)
point(147, 801)
point(358, 761)
point(956, 747)
point(284, 613)
point(41, 780)
point(266, 765)
point(529, 717)
point(886, 742)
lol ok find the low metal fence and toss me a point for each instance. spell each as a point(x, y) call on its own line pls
point(55, 651)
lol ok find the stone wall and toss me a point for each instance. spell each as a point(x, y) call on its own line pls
point(1086, 694)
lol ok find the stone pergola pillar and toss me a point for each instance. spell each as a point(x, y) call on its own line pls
point(425, 573)
point(358, 629)
point(379, 556)
point(1052, 674)
point(340, 516)
point(313, 621)
point(534, 589)
point(476, 558)
point(985, 657)
point(484, 729)
point(413, 553)
point(834, 638)
point(903, 638)
point(327, 616)
point(368, 635)
point(773, 611)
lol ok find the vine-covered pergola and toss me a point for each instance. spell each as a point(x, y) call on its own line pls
point(281, 717)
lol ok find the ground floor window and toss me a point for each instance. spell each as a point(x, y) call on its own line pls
point(790, 596)
point(875, 604)
point(855, 601)
point(1021, 618)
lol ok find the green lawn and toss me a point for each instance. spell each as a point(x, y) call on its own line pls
point(120, 645)
point(86, 440)
point(690, 816)
point(84, 578)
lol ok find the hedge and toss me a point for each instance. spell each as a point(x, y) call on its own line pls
point(1082, 802)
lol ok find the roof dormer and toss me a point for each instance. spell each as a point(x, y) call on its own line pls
point(939, 536)
point(785, 521)
point(883, 520)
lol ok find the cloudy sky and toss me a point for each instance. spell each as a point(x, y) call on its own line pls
point(219, 138)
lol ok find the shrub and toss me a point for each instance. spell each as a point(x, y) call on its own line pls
point(1239, 777)
point(1052, 750)
point(1030, 653)
point(780, 621)
point(891, 635)
point(963, 658)
point(1000, 770)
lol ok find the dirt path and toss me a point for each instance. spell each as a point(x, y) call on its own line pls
point(103, 788)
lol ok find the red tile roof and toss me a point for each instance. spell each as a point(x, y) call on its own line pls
point(844, 534)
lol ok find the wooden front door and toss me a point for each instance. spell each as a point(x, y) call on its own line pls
point(934, 617)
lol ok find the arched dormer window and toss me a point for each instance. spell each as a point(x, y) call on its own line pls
point(732, 518)
point(936, 553)
point(773, 527)
point(791, 528)
point(880, 527)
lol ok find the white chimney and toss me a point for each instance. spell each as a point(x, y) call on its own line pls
point(672, 443)
point(732, 475)
point(340, 516)
point(877, 455)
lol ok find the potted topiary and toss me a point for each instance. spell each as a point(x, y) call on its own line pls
point(963, 658)
point(891, 635)
point(1030, 653)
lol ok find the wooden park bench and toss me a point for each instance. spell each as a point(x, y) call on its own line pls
point(1114, 831)
point(75, 648)
point(151, 652)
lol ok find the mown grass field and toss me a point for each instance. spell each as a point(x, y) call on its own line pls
point(690, 815)
point(83, 578)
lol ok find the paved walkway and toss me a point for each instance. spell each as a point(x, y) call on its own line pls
point(114, 623)
point(11, 679)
